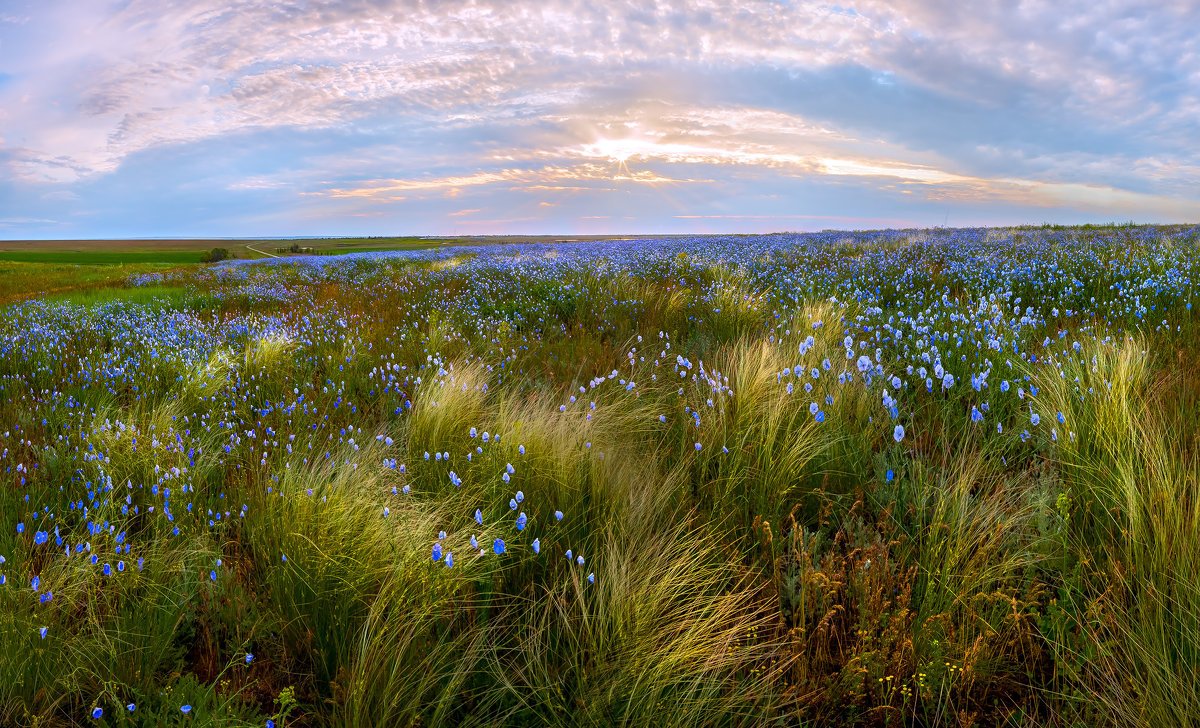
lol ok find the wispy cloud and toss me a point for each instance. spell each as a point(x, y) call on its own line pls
point(536, 179)
point(27, 221)
point(257, 183)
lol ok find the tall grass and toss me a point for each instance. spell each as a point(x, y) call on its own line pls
point(1132, 490)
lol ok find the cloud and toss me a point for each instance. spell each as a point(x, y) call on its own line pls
point(531, 179)
point(60, 196)
point(922, 175)
point(257, 183)
point(27, 221)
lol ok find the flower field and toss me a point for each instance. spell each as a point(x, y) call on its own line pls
point(943, 477)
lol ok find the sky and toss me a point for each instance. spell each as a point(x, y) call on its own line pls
point(144, 118)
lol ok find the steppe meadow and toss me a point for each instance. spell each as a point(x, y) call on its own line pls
point(404, 363)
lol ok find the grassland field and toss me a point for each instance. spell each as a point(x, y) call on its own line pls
point(938, 477)
point(120, 252)
point(61, 267)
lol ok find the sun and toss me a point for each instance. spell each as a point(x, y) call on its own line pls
point(620, 150)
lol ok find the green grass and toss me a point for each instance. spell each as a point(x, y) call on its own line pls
point(363, 245)
point(24, 280)
point(182, 251)
point(95, 257)
point(164, 296)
